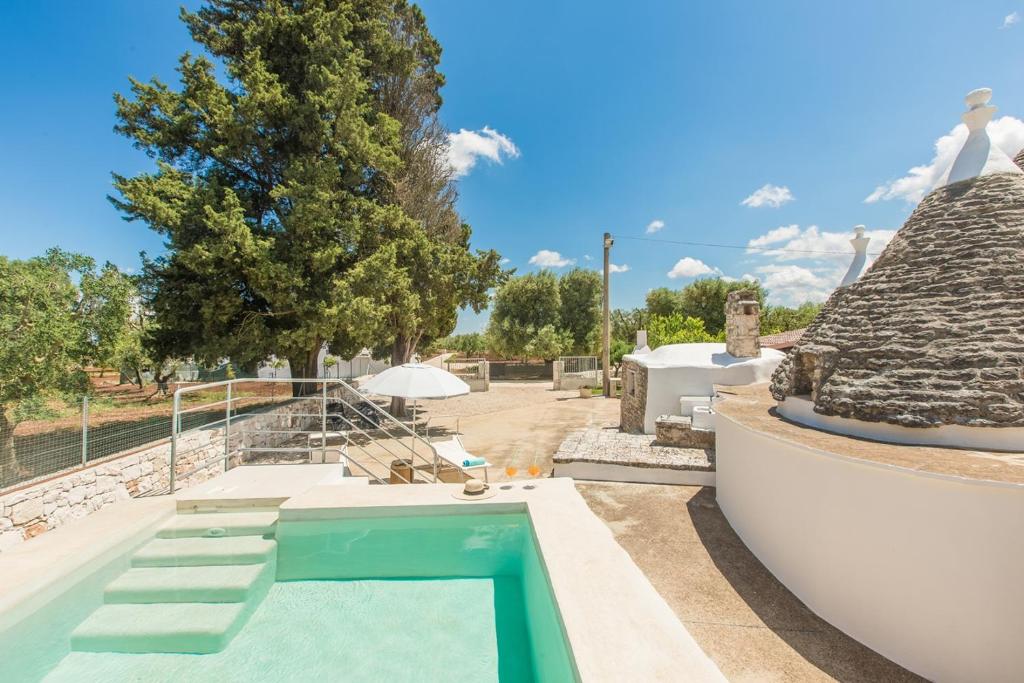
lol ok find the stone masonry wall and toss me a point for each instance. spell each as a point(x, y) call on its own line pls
point(32, 510)
point(633, 403)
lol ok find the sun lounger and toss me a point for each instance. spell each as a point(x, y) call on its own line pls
point(454, 452)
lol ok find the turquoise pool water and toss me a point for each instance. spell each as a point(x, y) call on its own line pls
point(430, 598)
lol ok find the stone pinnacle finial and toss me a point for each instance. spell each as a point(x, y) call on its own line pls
point(860, 256)
point(979, 111)
point(978, 156)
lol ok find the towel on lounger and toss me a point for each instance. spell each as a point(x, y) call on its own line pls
point(473, 462)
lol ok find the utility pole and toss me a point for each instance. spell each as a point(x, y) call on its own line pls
point(606, 354)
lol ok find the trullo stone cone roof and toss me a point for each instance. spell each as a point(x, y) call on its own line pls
point(933, 333)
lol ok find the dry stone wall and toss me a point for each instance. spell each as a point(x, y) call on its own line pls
point(30, 511)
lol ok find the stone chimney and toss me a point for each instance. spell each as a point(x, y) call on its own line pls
point(641, 343)
point(742, 324)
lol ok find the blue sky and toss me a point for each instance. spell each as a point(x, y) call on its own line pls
point(604, 116)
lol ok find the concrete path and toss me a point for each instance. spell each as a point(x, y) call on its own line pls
point(744, 619)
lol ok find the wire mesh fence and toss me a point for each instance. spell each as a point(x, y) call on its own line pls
point(90, 428)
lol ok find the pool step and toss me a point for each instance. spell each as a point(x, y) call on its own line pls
point(199, 551)
point(179, 627)
point(217, 524)
point(190, 589)
point(218, 583)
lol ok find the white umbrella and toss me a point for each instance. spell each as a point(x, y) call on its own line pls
point(415, 381)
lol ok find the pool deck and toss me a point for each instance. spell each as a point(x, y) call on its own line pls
point(36, 571)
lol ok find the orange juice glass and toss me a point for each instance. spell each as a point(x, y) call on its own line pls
point(533, 469)
point(511, 470)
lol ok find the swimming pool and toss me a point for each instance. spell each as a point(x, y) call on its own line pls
point(400, 598)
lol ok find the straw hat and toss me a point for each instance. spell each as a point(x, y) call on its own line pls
point(474, 489)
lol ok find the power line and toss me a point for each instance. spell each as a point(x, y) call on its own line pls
point(737, 246)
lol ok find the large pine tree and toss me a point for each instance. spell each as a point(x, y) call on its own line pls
point(279, 186)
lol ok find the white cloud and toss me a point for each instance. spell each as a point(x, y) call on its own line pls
point(823, 258)
point(769, 195)
point(779, 234)
point(1006, 132)
point(1010, 19)
point(690, 267)
point(466, 146)
point(792, 285)
point(550, 259)
point(819, 245)
point(504, 261)
point(654, 226)
point(612, 268)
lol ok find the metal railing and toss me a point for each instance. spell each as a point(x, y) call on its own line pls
point(296, 429)
point(584, 366)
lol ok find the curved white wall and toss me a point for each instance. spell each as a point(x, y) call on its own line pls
point(800, 409)
point(925, 569)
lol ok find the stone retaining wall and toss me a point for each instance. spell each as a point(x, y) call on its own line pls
point(30, 511)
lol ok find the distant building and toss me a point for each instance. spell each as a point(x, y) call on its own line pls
point(782, 341)
point(673, 379)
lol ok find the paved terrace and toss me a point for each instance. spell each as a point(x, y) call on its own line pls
point(609, 446)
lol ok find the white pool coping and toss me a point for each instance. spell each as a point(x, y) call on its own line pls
point(619, 627)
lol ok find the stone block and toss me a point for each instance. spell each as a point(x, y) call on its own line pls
point(27, 510)
point(35, 529)
point(677, 431)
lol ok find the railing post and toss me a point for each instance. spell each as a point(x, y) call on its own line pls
point(227, 429)
point(323, 423)
point(174, 439)
point(85, 430)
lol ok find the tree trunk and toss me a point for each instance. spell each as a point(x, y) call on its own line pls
point(9, 466)
point(304, 367)
point(401, 352)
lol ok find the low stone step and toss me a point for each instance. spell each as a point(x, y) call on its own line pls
point(181, 627)
point(198, 551)
point(220, 524)
point(226, 583)
point(678, 431)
